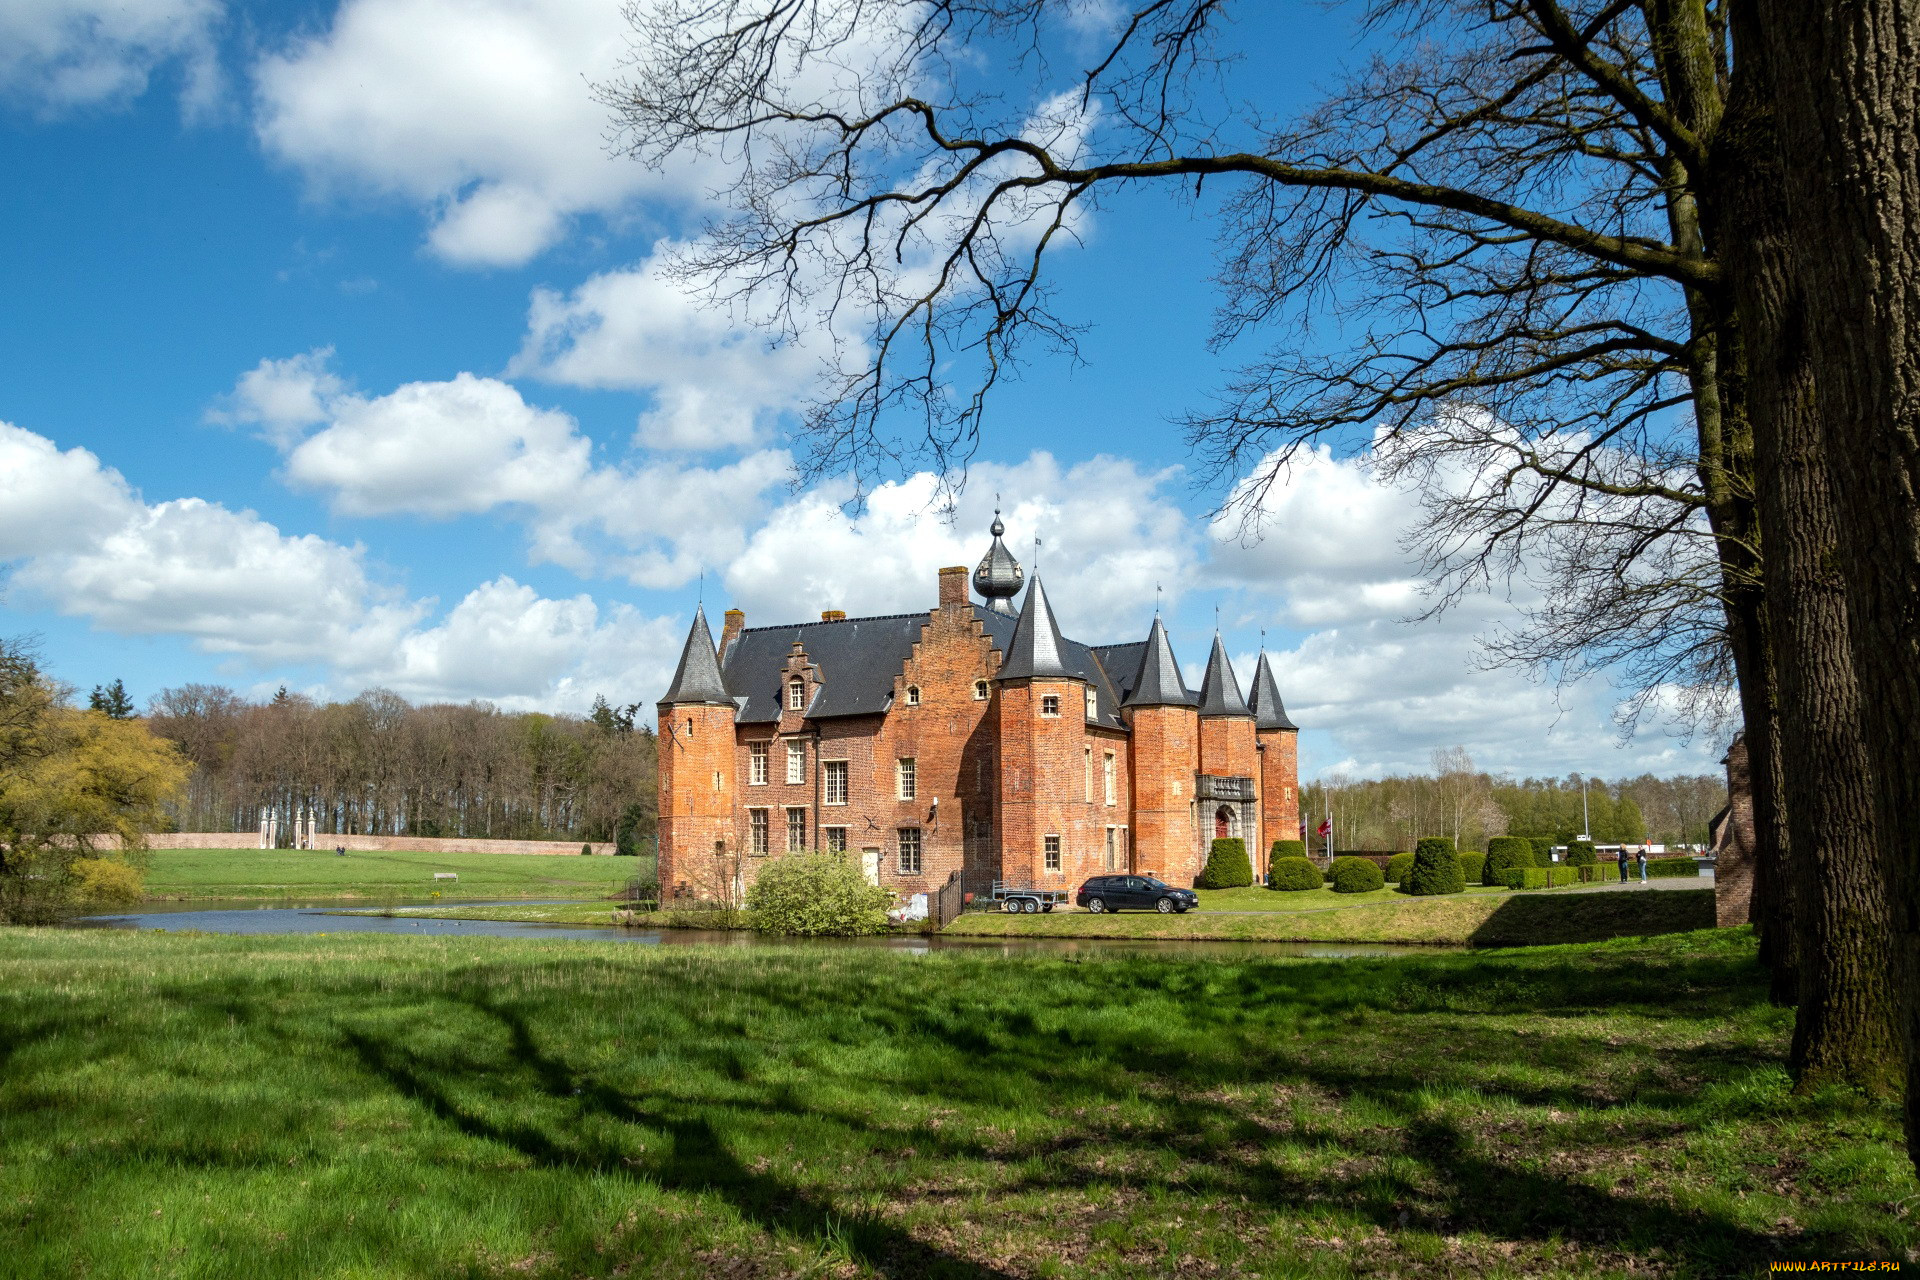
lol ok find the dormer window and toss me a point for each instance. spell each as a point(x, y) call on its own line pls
point(796, 695)
point(1050, 704)
point(979, 690)
point(913, 695)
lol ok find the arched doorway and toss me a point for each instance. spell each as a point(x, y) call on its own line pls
point(1223, 823)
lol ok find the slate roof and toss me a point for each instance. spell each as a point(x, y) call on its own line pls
point(859, 658)
point(1220, 689)
point(697, 679)
point(1268, 711)
point(1157, 681)
point(1038, 647)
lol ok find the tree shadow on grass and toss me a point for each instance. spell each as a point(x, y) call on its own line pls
point(1525, 919)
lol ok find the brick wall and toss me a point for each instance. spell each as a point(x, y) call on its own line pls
point(1165, 755)
point(1279, 782)
point(375, 844)
point(1226, 746)
point(699, 853)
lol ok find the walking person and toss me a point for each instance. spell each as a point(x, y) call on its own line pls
point(1643, 864)
point(1622, 852)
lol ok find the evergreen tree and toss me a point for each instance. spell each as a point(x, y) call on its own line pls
point(111, 699)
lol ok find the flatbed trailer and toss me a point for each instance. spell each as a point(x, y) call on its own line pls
point(1027, 898)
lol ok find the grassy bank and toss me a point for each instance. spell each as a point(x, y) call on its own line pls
point(320, 874)
point(179, 1105)
point(1497, 919)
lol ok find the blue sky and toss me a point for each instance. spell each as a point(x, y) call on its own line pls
point(337, 357)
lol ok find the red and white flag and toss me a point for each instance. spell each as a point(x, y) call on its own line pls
point(1326, 828)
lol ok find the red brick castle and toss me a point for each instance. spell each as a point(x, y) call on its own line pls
point(965, 739)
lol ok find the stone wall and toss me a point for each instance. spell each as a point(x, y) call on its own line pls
point(377, 844)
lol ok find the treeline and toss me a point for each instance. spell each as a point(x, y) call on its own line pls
point(378, 765)
point(1459, 801)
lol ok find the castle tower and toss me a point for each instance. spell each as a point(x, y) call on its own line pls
point(1165, 721)
point(1228, 800)
point(1045, 836)
point(698, 853)
point(1277, 743)
point(999, 577)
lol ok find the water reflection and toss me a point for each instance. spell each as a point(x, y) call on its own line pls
point(281, 917)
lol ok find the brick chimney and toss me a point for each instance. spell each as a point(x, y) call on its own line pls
point(833, 615)
point(953, 586)
point(731, 632)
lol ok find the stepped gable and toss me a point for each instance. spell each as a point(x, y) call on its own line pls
point(1268, 711)
point(1220, 690)
point(697, 679)
point(1157, 681)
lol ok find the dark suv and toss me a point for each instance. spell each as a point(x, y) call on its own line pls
point(1116, 893)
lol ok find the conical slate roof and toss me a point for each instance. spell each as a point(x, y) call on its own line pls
point(1158, 682)
point(697, 678)
point(1220, 690)
point(1037, 648)
point(999, 577)
point(1268, 711)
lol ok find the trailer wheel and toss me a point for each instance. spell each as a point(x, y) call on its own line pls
point(1011, 906)
point(1032, 906)
point(1048, 907)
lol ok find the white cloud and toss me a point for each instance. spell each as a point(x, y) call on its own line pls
point(715, 380)
point(284, 397)
point(53, 501)
point(477, 109)
point(1109, 536)
point(60, 55)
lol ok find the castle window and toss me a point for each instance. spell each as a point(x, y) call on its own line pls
point(979, 690)
point(796, 830)
point(1112, 782)
point(757, 831)
point(836, 839)
point(757, 764)
point(906, 779)
point(1051, 847)
point(1086, 781)
point(1093, 705)
point(909, 851)
point(836, 782)
point(913, 695)
point(796, 695)
point(1049, 704)
point(796, 762)
point(1113, 848)
point(689, 726)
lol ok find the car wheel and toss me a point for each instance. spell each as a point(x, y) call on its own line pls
point(1163, 906)
point(1096, 905)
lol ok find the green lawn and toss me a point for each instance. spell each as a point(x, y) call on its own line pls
point(1500, 918)
point(220, 1106)
point(1260, 898)
point(319, 873)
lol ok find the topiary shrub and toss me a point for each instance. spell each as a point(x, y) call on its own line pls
point(1227, 865)
point(1356, 875)
point(1436, 868)
point(1398, 866)
point(586, 851)
point(816, 895)
point(1504, 854)
point(1580, 854)
point(1286, 849)
point(1671, 867)
point(1294, 874)
point(1542, 850)
point(1472, 866)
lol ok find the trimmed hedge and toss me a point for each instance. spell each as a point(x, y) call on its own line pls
point(1356, 875)
point(1472, 866)
point(1398, 866)
point(1504, 854)
point(1554, 877)
point(1227, 865)
point(1286, 849)
point(1672, 867)
point(1580, 854)
point(1436, 868)
point(586, 851)
point(1294, 874)
point(1542, 850)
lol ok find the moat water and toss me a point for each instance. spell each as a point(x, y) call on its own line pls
point(283, 917)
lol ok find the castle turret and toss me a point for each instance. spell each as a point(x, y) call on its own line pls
point(1165, 756)
point(999, 577)
point(698, 856)
point(1277, 742)
point(1042, 731)
point(1226, 721)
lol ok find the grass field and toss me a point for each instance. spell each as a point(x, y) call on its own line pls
point(320, 874)
point(201, 1106)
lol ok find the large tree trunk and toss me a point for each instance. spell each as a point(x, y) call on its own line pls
point(1846, 1031)
point(1846, 90)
